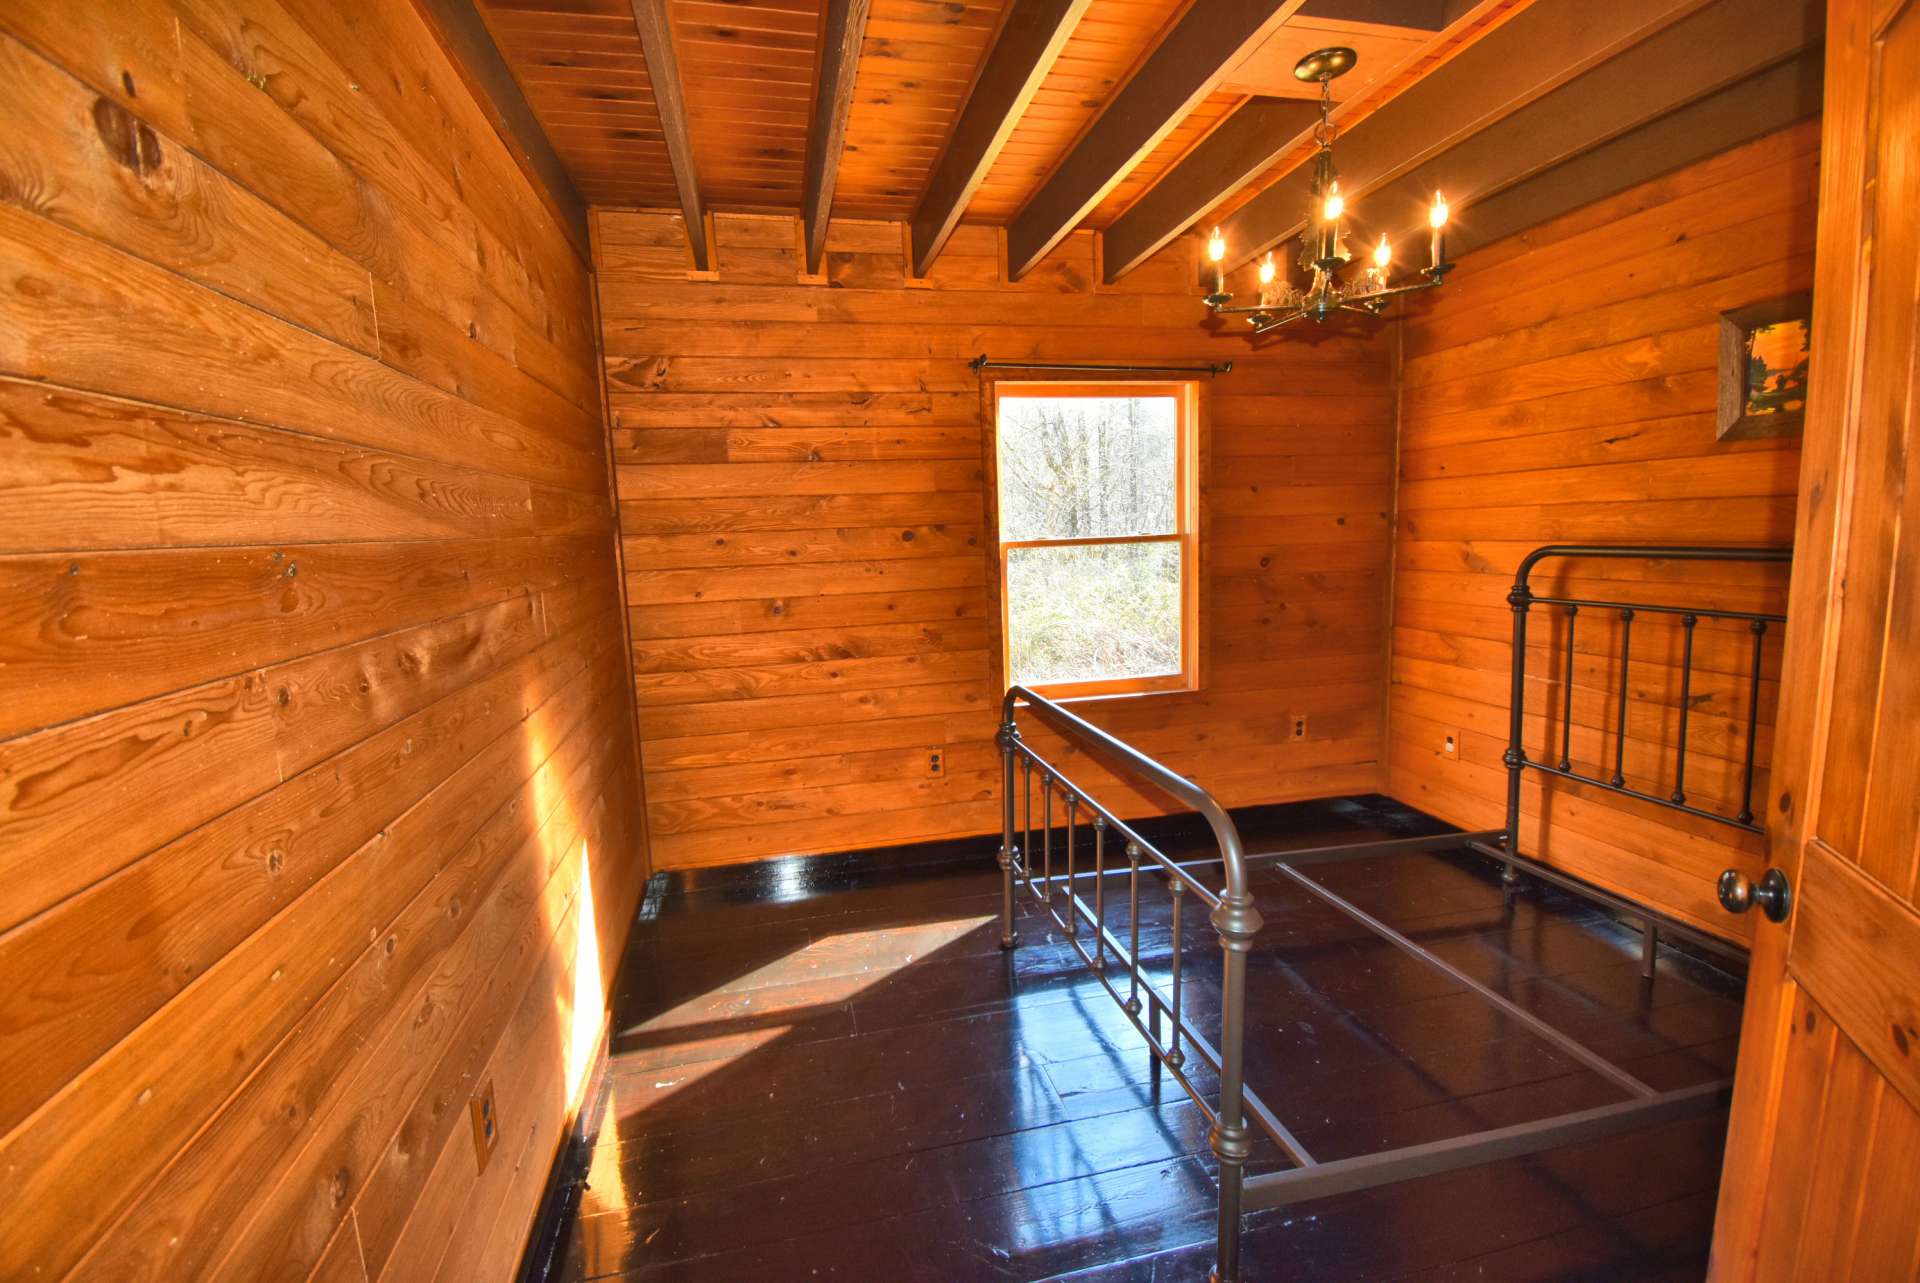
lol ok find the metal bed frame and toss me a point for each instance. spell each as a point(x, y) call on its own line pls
point(1236, 919)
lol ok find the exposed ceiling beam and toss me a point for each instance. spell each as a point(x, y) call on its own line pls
point(842, 32)
point(1621, 123)
point(1263, 132)
point(1202, 47)
point(1782, 95)
point(669, 98)
point(1547, 44)
point(1233, 155)
point(491, 82)
point(1031, 38)
point(1414, 15)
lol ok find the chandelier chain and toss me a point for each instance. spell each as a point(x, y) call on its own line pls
point(1323, 131)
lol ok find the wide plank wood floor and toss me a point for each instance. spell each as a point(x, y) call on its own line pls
point(830, 1070)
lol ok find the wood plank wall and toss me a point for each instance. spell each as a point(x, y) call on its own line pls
point(800, 472)
point(317, 786)
point(1562, 389)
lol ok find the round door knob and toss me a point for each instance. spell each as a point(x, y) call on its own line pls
point(1773, 895)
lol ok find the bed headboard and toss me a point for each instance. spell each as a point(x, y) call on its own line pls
point(1669, 792)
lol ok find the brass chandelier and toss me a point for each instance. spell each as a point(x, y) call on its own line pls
point(1323, 245)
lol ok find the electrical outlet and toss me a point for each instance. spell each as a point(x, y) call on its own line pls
point(936, 764)
point(1450, 745)
point(486, 1127)
point(1299, 726)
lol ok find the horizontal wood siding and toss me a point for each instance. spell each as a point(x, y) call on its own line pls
point(1562, 389)
point(810, 571)
point(318, 796)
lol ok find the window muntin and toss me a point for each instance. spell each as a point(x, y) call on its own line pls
point(1096, 513)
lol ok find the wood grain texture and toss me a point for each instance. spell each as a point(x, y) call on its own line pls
point(802, 483)
point(915, 75)
point(1244, 145)
point(1531, 54)
point(747, 71)
point(843, 33)
point(1842, 1213)
point(1827, 1098)
point(1471, 23)
point(317, 771)
point(1560, 389)
point(654, 20)
point(584, 73)
point(463, 33)
point(1030, 39)
point(1105, 48)
point(1180, 73)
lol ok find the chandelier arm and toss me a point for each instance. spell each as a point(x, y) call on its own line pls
point(1240, 311)
point(1397, 290)
point(1279, 321)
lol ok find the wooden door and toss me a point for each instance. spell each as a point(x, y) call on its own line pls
point(1822, 1177)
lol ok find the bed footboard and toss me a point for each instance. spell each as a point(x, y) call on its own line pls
point(1076, 901)
point(1063, 892)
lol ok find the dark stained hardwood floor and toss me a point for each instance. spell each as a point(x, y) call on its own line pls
point(830, 1070)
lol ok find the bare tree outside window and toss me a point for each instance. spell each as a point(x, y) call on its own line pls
point(1092, 521)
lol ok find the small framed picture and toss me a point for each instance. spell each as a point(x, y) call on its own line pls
point(1763, 368)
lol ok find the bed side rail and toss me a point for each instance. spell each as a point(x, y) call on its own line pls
point(1084, 924)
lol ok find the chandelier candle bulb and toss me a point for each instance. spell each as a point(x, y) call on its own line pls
point(1216, 254)
point(1437, 219)
point(1382, 262)
point(1330, 211)
point(1267, 269)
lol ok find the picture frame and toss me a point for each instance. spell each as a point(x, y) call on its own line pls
point(1764, 355)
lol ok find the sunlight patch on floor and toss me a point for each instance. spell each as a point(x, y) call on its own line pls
point(720, 1026)
point(821, 964)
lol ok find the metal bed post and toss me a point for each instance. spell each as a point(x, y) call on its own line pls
point(1521, 599)
point(1237, 922)
point(1008, 738)
point(1758, 628)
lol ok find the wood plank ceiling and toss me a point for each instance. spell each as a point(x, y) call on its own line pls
point(1058, 114)
point(581, 67)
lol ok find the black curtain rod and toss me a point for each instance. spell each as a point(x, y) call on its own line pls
point(981, 362)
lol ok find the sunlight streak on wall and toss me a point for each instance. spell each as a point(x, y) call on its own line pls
point(589, 995)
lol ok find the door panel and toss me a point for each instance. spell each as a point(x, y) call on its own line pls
point(1850, 1221)
point(1858, 947)
point(1824, 1141)
point(1867, 808)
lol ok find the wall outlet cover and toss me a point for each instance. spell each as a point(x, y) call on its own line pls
point(486, 1123)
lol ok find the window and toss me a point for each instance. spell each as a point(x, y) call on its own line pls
point(1097, 499)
